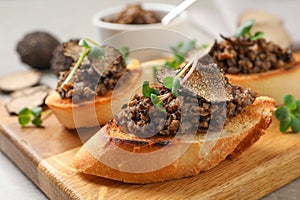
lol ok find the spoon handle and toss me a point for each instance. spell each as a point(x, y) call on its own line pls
point(177, 10)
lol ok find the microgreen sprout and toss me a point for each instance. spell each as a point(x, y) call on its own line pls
point(288, 115)
point(245, 30)
point(203, 46)
point(169, 82)
point(124, 50)
point(153, 94)
point(180, 51)
point(94, 51)
point(147, 90)
point(25, 116)
point(172, 83)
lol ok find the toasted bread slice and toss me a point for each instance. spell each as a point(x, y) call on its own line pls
point(97, 111)
point(100, 110)
point(274, 83)
point(113, 154)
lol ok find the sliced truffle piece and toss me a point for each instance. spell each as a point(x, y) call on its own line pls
point(59, 61)
point(207, 81)
point(19, 80)
point(72, 49)
point(28, 97)
point(102, 63)
point(36, 49)
point(65, 55)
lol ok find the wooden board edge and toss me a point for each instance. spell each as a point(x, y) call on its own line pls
point(30, 166)
point(53, 185)
point(27, 165)
point(275, 170)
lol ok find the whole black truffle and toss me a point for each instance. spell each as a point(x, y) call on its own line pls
point(36, 49)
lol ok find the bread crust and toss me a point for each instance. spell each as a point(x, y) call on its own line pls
point(238, 135)
point(80, 115)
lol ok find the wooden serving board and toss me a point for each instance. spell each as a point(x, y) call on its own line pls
point(45, 155)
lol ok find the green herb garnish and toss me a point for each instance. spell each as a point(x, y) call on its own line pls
point(147, 90)
point(154, 71)
point(94, 51)
point(169, 82)
point(125, 53)
point(245, 30)
point(288, 115)
point(203, 46)
point(153, 94)
point(173, 84)
point(25, 116)
point(179, 52)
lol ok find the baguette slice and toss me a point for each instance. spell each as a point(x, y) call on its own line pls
point(101, 109)
point(101, 155)
point(275, 83)
point(97, 111)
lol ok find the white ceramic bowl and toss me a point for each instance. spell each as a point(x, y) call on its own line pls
point(105, 29)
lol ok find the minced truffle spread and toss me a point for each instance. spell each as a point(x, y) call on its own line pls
point(246, 56)
point(88, 83)
point(135, 14)
point(139, 116)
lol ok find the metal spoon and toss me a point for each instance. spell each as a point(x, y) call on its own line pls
point(177, 10)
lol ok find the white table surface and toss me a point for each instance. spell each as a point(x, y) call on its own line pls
point(65, 19)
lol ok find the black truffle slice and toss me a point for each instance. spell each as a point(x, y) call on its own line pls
point(72, 50)
point(29, 97)
point(19, 80)
point(59, 61)
point(102, 63)
point(65, 55)
point(206, 81)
